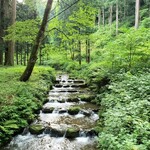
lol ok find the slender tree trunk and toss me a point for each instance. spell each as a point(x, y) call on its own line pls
point(17, 62)
point(1, 31)
point(99, 17)
point(73, 47)
point(11, 45)
point(33, 57)
point(103, 16)
point(40, 56)
point(124, 9)
point(117, 17)
point(25, 52)
point(80, 58)
point(110, 17)
point(21, 56)
point(88, 59)
point(137, 13)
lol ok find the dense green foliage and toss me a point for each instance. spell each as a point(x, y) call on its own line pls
point(124, 122)
point(20, 101)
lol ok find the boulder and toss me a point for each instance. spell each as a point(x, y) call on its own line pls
point(36, 129)
point(86, 98)
point(62, 111)
point(66, 86)
point(61, 100)
point(58, 85)
point(48, 110)
point(57, 132)
point(74, 110)
point(78, 81)
point(72, 132)
point(86, 113)
point(92, 132)
point(73, 99)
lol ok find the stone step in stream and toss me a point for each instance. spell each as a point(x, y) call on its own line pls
point(66, 121)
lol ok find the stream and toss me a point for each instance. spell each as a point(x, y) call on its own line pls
point(58, 120)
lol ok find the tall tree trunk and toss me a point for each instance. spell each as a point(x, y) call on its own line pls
point(17, 50)
point(1, 31)
point(11, 45)
point(117, 17)
point(33, 57)
point(40, 56)
point(80, 58)
point(110, 17)
point(137, 13)
point(99, 17)
point(25, 52)
point(88, 51)
point(103, 16)
point(21, 55)
point(124, 13)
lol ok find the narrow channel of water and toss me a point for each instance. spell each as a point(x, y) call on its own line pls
point(56, 119)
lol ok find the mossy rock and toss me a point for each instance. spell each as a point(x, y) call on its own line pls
point(74, 110)
point(73, 99)
point(48, 110)
point(86, 98)
point(61, 100)
point(36, 129)
point(92, 132)
point(72, 132)
point(57, 132)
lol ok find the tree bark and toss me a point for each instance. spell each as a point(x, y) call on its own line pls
point(103, 16)
point(33, 57)
point(99, 17)
point(88, 58)
point(11, 45)
point(80, 58)
point(110, 17)
point(137, 13)
point(1, 31)
point(117, 17)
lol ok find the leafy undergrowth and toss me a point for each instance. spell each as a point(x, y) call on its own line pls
point(19, 101)
point(125, 113)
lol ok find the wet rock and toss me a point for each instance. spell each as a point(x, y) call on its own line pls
point(36, 129)
point(71, 78)
point(73, 99)
point(62, 111)
point(58, 85)
point(95, 110)
point(57, 81)
point(79, 85)
point(78, 81)
point(86, 98)
point(61, 101)
point(48, 110)
point(57, 132)
point(86, 113)
point(66, 86)
point(73, 110)
point(71, 90)
point(72, 132)
point(92, 132)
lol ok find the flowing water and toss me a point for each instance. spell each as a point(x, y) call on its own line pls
point(64, 95)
